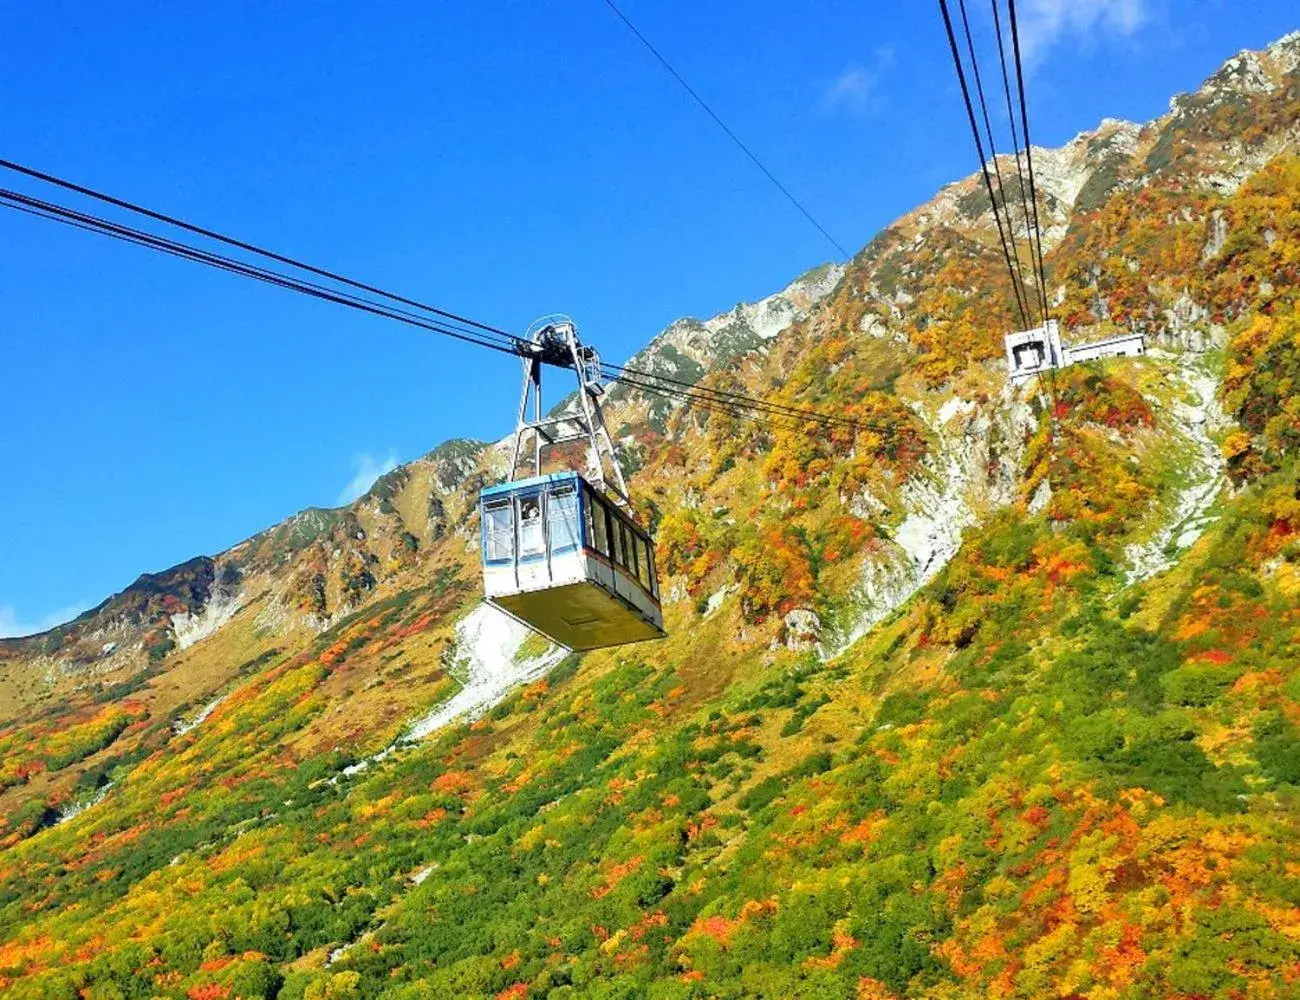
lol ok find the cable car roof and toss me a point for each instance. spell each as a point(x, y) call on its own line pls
point(519, 484)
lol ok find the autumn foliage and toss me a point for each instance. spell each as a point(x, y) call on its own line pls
point(1026, 770)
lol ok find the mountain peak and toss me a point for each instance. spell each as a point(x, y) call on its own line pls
point(1249, 72)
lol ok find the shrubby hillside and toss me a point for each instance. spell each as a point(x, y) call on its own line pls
point(997, 698)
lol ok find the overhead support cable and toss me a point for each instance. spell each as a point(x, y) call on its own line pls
point(993, 155)
point(1035, 255)
point(1031, 213)
point(621, 372)
point(712, 404)
point(1029, 150)
point(240, 244)
point(844, 254)
point(432, 320)
point(979, 148)
point(1033, 192)
point(90, 223)
point(741, 406)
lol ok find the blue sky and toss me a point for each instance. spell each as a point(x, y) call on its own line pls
point(503, 159)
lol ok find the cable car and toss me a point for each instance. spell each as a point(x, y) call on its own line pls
point(561, 551)
point(561, 558)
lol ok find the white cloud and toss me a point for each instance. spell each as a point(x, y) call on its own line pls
point(852, 89)
point(857, 88)
point(1043, 23)
point(368, 469)
point(13, 625)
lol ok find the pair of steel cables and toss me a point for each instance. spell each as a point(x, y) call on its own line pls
point(251, 261)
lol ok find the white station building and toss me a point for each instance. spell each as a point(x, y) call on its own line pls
point(1030, 352)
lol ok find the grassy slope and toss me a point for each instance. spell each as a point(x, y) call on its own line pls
point(1030, 779)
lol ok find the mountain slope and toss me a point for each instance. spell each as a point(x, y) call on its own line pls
point(996, 698)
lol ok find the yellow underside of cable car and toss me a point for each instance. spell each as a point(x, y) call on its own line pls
point(580, 616)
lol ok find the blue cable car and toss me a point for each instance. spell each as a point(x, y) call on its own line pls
point(561, 551)
point(561, 558)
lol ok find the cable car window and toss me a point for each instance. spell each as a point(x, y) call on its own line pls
point(643, 562)
point(616, 540)
point(629, 541)
point(611, 531)
point(498, 532)
point(611, 534)
point(562, 517)
point(654, 575)
point(629, 548)
point(532, 537)
point(597, 524)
